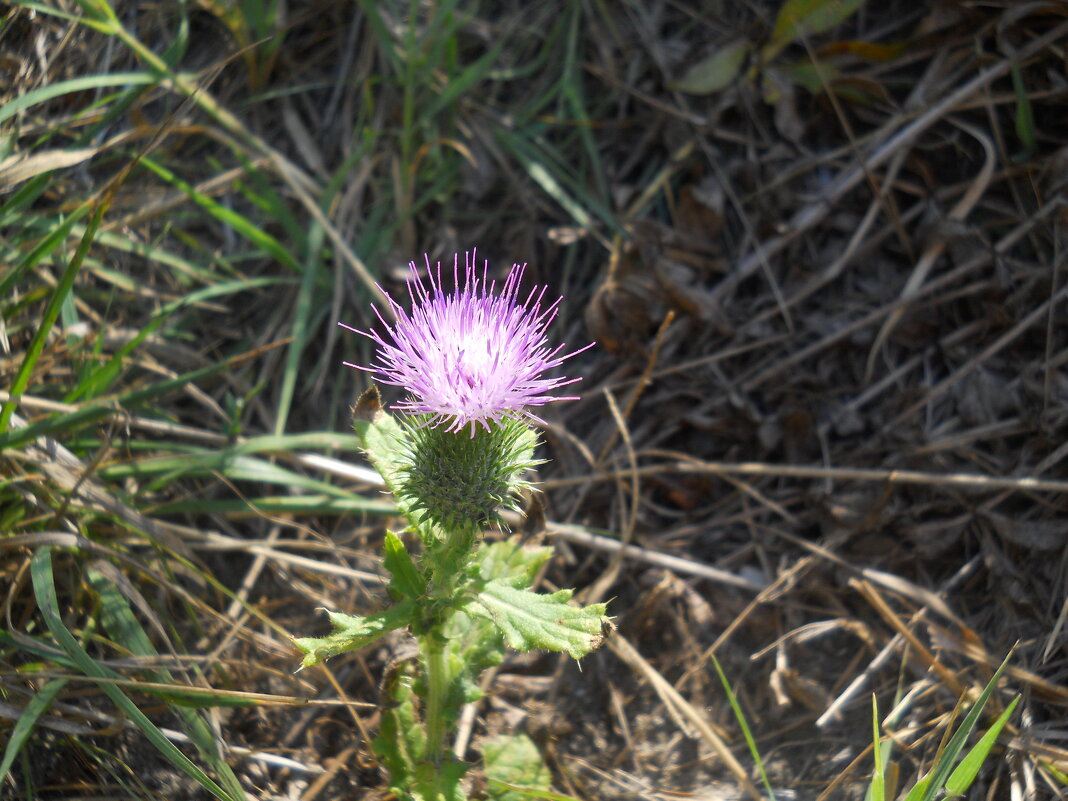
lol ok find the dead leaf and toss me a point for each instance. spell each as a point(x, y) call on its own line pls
point(20, 167)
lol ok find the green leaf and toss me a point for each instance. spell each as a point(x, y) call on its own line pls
point(384, 441)
point(1025, 118)
point(529, 620)
point(964, 774)
point(352, 632)
point(715, 72)
point(917, 792)
point(802, 18)
point(474, 646)
point(406, 582)
point(401, 739)
point(512, 562)
point(401, 745)
point(514, 759)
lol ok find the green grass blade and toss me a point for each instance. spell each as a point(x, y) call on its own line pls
point(465, 81)
point(100, 379)
point(48, 319)
point(54, 239)
point(918, 792)
point(279, 505)
point(45, 591)
point(61, 88)
point(948, 758)
point(302, 317)
point(541, 164)
point(180, 265)
point(571, 88)
point(1025, 117)
point(877, 790)
point(22, 198)
point(121, 624)
point(241, 224)
point(964, 774)
point(740, 717)
point(26, 722)
point(69, 421)
point(165, 469)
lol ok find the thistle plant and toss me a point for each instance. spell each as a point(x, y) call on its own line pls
point(474, 360)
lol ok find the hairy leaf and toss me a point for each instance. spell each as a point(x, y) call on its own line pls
point(352, 632)
point(407, 581)
point(512, 562)
point(529, 620)
point(514, 759)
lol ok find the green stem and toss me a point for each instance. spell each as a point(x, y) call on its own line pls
point(437, 685)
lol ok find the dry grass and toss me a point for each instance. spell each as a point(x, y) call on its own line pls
point(826, 414)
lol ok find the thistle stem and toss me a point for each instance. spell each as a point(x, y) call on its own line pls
point(437, 685)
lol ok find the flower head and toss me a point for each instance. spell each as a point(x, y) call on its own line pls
point(471, 356)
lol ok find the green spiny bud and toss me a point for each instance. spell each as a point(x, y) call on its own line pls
point(458, 480)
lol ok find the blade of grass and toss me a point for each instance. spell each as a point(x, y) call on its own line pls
point(302, 318)
point(877, 789)
point(24, 726)
point(964, 774)
point(165, 469)
point(69, 421)
point(744, 724)
point(43, 248)
point(119, 621)
point(100, 379)
point(241, 224)
point(556, 182)
point(941, 771)
point(278, 505)
point(48, 319)
point(45, 592)
point(54, 90)
point(465, 81)
point(571, 88)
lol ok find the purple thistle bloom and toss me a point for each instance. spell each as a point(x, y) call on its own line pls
point(473, 355)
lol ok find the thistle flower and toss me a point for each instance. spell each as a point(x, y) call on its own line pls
point(472, 356)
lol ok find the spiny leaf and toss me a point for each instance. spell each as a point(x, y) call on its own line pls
point(352, 632)
point(529, 620)
point(512, 562)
